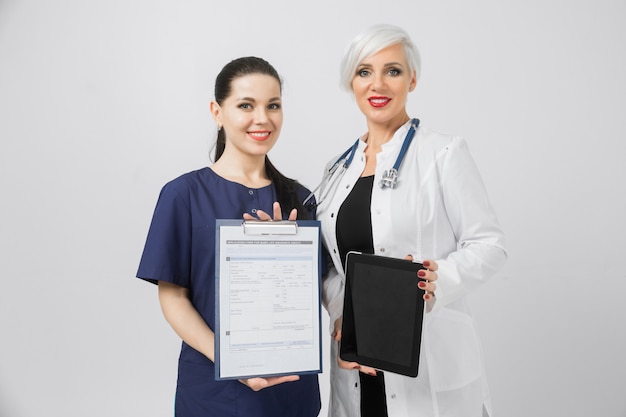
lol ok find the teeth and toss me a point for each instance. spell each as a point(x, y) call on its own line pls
point(378, 100)
point(259, 135)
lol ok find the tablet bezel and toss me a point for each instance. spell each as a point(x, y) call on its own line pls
point(405, 270)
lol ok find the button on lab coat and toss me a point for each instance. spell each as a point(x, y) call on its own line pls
point(439, 210)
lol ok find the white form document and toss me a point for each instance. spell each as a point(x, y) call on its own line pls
point(268, 319)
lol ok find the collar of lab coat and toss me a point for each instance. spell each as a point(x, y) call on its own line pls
point(393, 145)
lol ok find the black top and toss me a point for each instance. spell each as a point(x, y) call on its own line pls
point(354, 220)
point(354, 233)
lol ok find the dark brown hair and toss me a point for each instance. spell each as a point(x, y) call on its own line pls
point(286, 188)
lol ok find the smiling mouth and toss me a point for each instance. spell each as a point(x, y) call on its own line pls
point(379, 101)
point(260, 136)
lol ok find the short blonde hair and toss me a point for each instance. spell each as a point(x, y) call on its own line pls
point(370, 42)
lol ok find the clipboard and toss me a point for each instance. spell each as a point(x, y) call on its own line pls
point(267, 298)
point(382, 313)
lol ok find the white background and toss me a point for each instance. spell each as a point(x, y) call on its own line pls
point(101, 103)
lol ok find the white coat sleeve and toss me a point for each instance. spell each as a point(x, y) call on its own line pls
point(480, 250)
point(332, 296)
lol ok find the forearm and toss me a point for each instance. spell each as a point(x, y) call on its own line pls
point(185, 319)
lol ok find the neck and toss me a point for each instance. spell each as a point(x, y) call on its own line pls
point(380, 133)
point(248, 170)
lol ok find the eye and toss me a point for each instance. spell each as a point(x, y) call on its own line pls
point(394, 72)
point(245, 106)
point(362, 73)
point(274, 106)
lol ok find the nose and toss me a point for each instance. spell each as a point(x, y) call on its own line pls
point(260, 115)
point(378, 81)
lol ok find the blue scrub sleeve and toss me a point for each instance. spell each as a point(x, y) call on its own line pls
point(167, 252)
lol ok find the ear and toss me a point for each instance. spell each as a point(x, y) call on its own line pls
point(216, 112)
point(413, 82)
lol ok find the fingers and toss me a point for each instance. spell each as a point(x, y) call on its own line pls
point(257, 384)
point(344, 364)
point(430, 265)
point(429, 275)
point(337, 329)
point(261, 215)
point(429, 289)
point(354, 365)
point(347, 365)
point(337, 335)
point(278, 215)
point(275, 380)
point(367, 370)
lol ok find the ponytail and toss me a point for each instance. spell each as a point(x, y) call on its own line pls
point(287, 192)
point(286, 188)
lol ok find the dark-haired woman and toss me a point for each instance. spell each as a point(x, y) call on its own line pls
point(179, 254)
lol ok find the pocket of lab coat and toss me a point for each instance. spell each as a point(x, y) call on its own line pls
point(453, 349)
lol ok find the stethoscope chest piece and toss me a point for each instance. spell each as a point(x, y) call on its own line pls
point(390, 179)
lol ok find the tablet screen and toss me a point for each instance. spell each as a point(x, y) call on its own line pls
point(383, 309)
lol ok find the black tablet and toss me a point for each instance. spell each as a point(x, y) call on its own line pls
point(382, 313)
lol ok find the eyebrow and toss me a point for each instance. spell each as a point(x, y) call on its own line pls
point(273, 99)
point(388, 64)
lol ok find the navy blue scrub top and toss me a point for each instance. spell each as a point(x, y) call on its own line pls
point(180, 248)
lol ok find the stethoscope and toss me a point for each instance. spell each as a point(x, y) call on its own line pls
point(390, 176)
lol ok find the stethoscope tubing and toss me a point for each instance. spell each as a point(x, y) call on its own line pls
point(346, 158)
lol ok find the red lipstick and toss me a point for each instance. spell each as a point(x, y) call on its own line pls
point(259, 135)
point(379, 101)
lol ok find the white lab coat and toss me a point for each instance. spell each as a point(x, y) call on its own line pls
point(439, 210)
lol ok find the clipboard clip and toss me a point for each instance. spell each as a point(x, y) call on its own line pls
point(263, 227)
